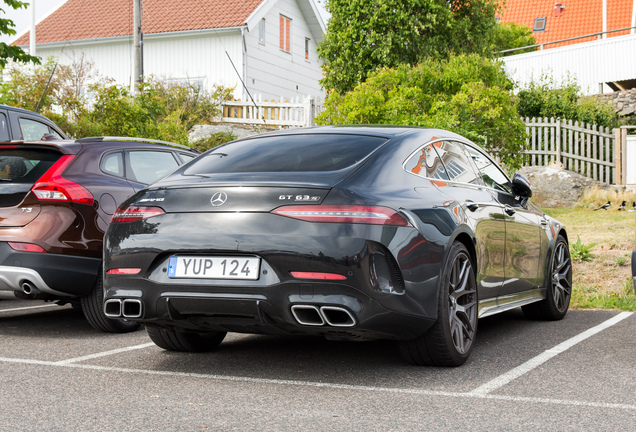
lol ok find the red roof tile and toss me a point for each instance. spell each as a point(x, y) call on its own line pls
point(578, 18)
point(91, 19)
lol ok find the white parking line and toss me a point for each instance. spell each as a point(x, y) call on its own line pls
point(537, 361)
point(27, 307)
point(481, 392)
point(104, 354)
point(420, 392)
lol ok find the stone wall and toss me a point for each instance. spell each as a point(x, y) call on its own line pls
point(624, 101)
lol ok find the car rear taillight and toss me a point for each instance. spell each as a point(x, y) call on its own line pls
point(53, 187)
point(373, 215)
point(26, 247)
point(136, 213)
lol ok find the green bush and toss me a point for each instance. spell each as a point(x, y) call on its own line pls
point(213, 140)
point(158, 110)
point(510, 35)
point(546, 99)
point(470, 95)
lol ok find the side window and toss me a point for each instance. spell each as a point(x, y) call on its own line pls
point(4, 128)
point(457, 163)
point(426, 163)
point(113, 164)
point(285, 33)
point(32, 130)
point(261, 31)
point(55, 134)
point(490, 173)
point(149, 166)
point(186, 157)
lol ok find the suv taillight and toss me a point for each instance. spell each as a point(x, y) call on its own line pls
point(53, 187)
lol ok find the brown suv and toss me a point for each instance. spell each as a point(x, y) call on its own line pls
point(56, 201)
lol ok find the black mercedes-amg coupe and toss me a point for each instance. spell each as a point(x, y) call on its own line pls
point(352, 233)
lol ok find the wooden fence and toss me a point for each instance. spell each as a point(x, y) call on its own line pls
point(583, 148)
point(282, 112)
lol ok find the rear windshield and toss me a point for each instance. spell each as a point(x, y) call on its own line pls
point(290, 153)
point(25, 166)
point(19, 170)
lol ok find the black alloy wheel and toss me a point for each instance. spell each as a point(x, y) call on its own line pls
point(450, 340)
point(557, 301)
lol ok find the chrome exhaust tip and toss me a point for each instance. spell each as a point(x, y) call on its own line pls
point(131, 308)
point(112, 308)
point(307, 315)
point(29, 288)
point(337, 316)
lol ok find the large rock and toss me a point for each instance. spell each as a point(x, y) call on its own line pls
point(553, 186)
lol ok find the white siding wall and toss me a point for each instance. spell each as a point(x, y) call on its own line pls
point(590, 63)
point(272, 72)
point(198, 57)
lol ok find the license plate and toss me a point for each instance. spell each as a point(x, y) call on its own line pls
point(206, 267)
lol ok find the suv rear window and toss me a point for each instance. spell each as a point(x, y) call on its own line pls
point(289, 153)
point(19, 170)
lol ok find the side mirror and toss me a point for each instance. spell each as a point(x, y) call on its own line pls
point(521, 186)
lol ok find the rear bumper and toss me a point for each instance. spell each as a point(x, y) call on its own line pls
point(50, 274)
point(333, 310)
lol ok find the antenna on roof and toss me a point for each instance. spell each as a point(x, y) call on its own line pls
point(239, 75)
point(48, 83)
point(244, 86)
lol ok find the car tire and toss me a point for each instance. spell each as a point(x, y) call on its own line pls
point(557, 301)
point(173, 340)
point(93, 307)
point(450, 340)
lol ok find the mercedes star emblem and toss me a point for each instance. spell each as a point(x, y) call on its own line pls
point(218, 199)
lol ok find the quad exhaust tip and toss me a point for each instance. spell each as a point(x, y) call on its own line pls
point(123, 308)
point(308, 315)
point(334, 316)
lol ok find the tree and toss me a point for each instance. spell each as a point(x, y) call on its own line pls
point(8, 52)
point(470, 95)
point(364, 35)
point(511, 35)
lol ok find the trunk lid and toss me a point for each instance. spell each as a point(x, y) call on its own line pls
point(223, 198)
point(20, 169)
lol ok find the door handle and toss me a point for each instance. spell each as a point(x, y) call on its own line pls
point(509, 210)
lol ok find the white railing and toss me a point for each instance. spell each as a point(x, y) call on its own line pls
point(586, 149)
point(282, 112)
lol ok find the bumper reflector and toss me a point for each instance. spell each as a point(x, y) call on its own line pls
point(124, 271)
point(313, 275)
point(26, 247)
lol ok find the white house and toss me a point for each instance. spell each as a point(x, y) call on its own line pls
point(598, 66)
point(268, 46)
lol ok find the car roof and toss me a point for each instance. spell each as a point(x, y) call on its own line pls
point(22, 110)
point(74, 146)
point(387, 131)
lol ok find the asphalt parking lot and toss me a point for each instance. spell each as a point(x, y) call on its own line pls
point(58, 374)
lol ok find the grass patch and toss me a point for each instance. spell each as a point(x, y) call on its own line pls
point(595, 197)
point(605, 281)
